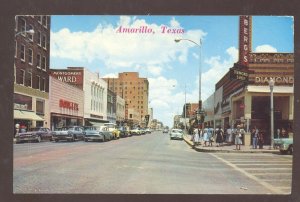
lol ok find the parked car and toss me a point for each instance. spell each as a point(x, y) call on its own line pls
point(176, 134)
point(135, 131)
point(165, 130)
point(142, 131)
point(113, 128)
point(34, 134)
point(123, 131)
point(108, 135)
point(285, 145)
point(68, 133)
point(93, 134)
point(148, 130)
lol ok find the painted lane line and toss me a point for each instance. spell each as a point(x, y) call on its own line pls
point(265, 184)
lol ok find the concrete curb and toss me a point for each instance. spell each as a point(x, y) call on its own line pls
point(226, 150)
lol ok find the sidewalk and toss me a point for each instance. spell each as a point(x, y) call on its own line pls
point(229, 148)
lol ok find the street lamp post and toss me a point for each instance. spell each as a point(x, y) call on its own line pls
point(199, 45)
point(271, 84)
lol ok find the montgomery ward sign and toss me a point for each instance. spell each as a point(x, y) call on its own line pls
point(245, 39)
point(73, 77)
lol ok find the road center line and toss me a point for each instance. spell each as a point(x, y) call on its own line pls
point(265, 184)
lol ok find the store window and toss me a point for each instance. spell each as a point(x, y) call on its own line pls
point(22, 102)
point(40, 107)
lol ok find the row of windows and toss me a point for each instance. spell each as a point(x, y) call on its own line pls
point(42, 19)
point(41, 61)
point(96, 106)
point(41, 38)
point(27, 80)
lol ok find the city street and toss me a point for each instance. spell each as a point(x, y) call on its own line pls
point(147, 164)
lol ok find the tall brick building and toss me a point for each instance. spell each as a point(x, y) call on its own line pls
point(135, 91)
point(31, 70)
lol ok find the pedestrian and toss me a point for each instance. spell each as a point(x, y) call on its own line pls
point(277, 134)
point(205, 136)
point(229, 135)
point(219, 136)
point(196, 138)
point(254, 134)
point(261, 140)
point(238, 137)
point(211, 138)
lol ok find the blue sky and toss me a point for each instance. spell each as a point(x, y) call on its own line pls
point(171, 68)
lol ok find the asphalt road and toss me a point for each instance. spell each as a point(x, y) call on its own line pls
point(151, 164)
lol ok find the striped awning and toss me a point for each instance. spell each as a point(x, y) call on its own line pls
point(27, 115)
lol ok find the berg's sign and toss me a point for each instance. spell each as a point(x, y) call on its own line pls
point(245, 39)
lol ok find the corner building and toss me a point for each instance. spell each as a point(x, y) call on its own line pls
point(31, 71)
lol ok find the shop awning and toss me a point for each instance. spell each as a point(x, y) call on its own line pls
point(96, 123)
point(266, 89)
point(26, 115)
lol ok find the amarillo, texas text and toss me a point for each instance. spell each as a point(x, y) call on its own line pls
point(148, 30)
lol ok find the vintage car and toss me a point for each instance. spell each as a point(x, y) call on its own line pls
point(71, 133)
point(176, 134)
point(113, 128)
point(108, 135)
point(148, 130)
point(93, 134)
point(135, 131)
point(34, 134)
point(285, 145)
point(124, 132)
point(165, 130)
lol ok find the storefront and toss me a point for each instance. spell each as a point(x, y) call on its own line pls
point(66, 104)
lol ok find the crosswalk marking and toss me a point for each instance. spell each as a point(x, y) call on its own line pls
point(256, 167)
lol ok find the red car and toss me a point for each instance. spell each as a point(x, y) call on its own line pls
point(34, 134)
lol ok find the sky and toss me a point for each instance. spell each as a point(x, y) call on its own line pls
point(99, 43)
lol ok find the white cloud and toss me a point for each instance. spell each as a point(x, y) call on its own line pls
point(118, 50)
point(111, 75)
point(265, 49)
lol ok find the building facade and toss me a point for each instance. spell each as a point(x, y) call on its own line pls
point(246, 93)
point(120, 110)
point(94, 88)
point(135, 91)
point(66, 104)
point(31, 71)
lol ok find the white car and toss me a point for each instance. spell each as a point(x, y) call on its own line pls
point(176, 134)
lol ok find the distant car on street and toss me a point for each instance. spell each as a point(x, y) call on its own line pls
point(68, 133)
point(176, 134)
point(165, 130)
point(123, 131)
point(113, 128)
point(36, 134)
point(148, 130)
point(93, 134)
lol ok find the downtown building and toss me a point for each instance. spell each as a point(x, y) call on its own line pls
point(135, 91)
point(242, 95)
point(31, 71)
point(94, 96)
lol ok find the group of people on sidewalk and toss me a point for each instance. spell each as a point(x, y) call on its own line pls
point(207, 136)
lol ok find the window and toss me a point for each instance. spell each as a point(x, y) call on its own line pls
point(38, 61)
point(40, 19)
point(29, 80)
point(30, 36)
point(44, 21)
point(22, 77)
point(38, 82)
point(16, 48)
point(40, 106)
point(43, 86)
point(44, 63)
point(39, 38)
point(130, 116)
point(44, 41)
point(16, 23)
point(23, 27)
point(23, 52)
point(30, 56)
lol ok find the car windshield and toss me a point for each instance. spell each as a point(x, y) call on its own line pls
point(90, 128)
point(176, 131)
